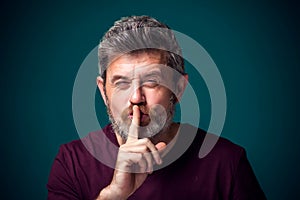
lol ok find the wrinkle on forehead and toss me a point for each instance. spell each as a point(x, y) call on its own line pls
point(130, 65)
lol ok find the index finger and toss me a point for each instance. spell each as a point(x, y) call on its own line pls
point(133, 130)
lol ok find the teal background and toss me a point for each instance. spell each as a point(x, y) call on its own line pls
point(255, 45)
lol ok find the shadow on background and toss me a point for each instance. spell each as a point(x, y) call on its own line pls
point(255, 46)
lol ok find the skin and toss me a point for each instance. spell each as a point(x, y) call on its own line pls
point(142, 153)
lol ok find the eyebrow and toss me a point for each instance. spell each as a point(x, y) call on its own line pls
point(153, 74)
point(124, 77)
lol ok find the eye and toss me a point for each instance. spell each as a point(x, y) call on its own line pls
point(151, 82)
point(122, 84)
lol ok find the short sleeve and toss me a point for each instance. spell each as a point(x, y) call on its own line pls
point(61, 185)
point(246, 186)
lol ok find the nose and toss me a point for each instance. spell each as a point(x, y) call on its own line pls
point(137, 96)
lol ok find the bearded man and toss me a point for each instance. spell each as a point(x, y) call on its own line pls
point(143, 154)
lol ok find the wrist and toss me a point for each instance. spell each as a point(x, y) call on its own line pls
point(109, 193)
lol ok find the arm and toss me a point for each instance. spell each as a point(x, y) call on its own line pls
point(60, 184)
point(246, 185)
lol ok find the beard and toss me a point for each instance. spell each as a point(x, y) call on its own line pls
point(160, 120)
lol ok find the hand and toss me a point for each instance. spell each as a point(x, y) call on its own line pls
point(135, 161)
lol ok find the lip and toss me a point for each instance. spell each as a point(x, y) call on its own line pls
point(144, 118)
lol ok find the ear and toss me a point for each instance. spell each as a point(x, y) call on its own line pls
point(101, 88)
point(181, 85)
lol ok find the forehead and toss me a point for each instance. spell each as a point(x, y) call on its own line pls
point(134, 63)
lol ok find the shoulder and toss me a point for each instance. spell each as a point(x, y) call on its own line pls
point(223, 162)
point(227, 147)
point(76, 167)
point(209, 145)
point(80, 148)
point(97, 146)
point(210, 152)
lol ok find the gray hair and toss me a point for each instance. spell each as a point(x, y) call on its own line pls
point(137, 34)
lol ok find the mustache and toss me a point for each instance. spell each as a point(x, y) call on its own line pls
point(143, 110)
point(154, 112)
point(129, 111)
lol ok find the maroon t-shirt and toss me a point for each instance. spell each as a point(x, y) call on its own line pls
point(78, 171)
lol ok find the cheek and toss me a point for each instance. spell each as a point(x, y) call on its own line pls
point(161, 97)
point(118, 102)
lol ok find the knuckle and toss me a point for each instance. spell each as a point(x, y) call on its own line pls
point(144, 148)
point(146, 141)
point(122, 148)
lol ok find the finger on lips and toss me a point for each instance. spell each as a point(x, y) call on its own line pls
point(136, 115)
point(133, 129)
point(144, 150)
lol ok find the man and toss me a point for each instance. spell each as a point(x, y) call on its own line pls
point(144, 154)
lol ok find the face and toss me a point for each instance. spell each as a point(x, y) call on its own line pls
point(142, 80)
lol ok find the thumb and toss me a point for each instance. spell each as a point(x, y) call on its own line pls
point(160, 146)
